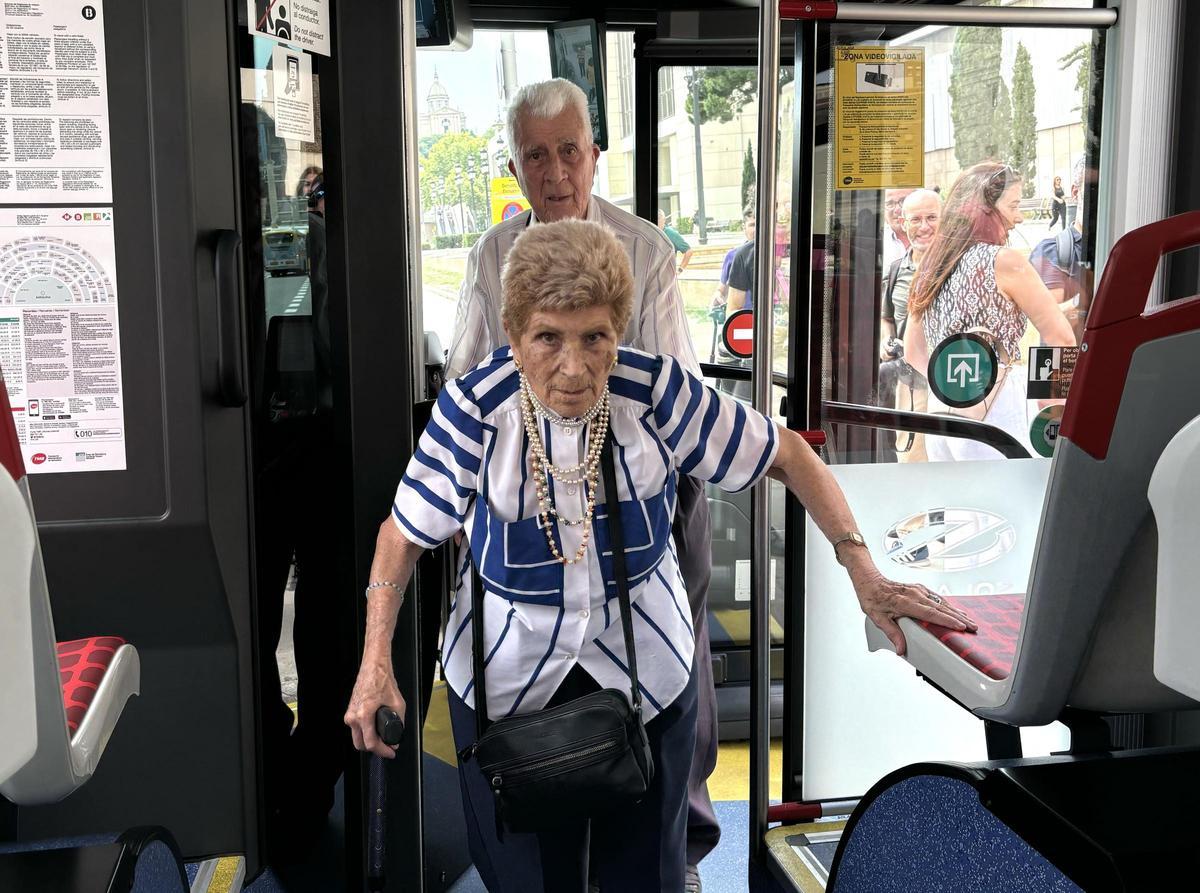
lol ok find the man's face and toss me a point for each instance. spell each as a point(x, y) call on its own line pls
point(748, 228)
point(893, 203)
point(555, 165)
point(921, 219)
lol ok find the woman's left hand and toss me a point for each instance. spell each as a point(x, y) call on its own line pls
point(885, 601)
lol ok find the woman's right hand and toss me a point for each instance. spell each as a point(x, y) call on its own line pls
point(374, 688)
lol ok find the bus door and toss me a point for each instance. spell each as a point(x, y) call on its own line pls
point(125, 330)
point(922, 150)
point(703, 184)
point(327, 211)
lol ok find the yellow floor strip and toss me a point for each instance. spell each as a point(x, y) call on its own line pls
point(731, 779)
point(736, 622)
point(228, 876)
point(223, 875)
point(437, 738)
point(790, 861)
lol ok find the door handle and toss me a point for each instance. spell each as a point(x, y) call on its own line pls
point(230, 379)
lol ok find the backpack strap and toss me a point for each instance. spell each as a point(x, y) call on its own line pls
point(1064, 249)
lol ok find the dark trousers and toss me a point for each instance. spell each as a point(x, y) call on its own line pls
point(1058, 214)
point(641, 848)
point(692, 531)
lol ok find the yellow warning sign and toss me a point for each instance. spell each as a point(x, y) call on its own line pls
point(880, 112)
point(507, 199)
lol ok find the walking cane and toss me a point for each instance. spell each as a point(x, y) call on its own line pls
point(389, 727)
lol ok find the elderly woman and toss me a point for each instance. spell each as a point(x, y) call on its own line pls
point(511, 455)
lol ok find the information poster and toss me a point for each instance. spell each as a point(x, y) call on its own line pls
point(60, 344)
point(54, 133)
point(302, 23)
point(880, 117)
point(291, 71)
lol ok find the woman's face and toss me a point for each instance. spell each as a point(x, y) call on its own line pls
point(567, 355)
point(1009, 206)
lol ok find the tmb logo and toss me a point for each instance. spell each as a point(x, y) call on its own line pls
point(949, 539)
point(38, 458)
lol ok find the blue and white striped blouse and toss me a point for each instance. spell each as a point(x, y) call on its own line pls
point(471, 470)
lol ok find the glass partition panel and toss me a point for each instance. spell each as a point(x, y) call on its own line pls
point(960, 199)
point(466, 186)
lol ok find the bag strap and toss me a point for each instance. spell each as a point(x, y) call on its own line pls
point(616, 535)
point(481, 711)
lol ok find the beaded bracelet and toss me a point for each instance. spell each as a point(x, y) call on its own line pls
point(381, 584)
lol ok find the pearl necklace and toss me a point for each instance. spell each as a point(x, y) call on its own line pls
point(542, 468)
point(569, 425)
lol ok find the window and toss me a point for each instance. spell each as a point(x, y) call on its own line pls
point(1009, 103)
point(463, 158)
point(666, 94)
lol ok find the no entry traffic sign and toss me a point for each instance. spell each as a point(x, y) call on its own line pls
point(738, 334)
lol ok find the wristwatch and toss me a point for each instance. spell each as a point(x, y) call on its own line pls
point(852, 536)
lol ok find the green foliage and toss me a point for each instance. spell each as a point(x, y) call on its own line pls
point(456, 240)
point(1024, 122)
point(425, 143)
point(724, 92)
point(686, 226)
point(749, 174)
point(446, 154)
point(1081, 55)
point(980, 107)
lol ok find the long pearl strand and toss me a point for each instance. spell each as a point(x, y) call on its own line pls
point(597, 420)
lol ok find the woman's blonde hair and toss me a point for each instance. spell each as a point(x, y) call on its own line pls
point(569, 265)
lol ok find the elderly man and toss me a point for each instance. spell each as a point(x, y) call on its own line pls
point(549, 135)
point(919, 216)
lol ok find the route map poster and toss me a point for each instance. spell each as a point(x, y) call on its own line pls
point(60, 344)
point(54, 129)
point(880, 117)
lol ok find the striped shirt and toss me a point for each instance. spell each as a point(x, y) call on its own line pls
point(657, 325)
point(471, 470)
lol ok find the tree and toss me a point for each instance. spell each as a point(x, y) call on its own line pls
point(724, 92)
point(749, 174)
point(449, 154)
point(980, 108)
point(1080, 55)
point(1024, 122)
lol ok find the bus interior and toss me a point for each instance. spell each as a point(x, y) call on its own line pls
point(285, 213)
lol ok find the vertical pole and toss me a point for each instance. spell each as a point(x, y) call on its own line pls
point(702, 215)
point(764, 287)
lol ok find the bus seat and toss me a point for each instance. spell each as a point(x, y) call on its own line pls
point(58, 703)
point(1174, 494)
point(1081, 636)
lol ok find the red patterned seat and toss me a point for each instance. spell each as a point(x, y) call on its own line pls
point(81, 665)
point(991, 650)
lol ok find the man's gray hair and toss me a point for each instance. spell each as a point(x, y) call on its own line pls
point(545, 99)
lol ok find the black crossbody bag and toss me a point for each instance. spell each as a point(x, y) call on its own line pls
point(580, 759)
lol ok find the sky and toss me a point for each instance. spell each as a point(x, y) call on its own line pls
point(472, 79)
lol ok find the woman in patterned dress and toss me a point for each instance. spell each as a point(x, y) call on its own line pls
point(968, 281)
